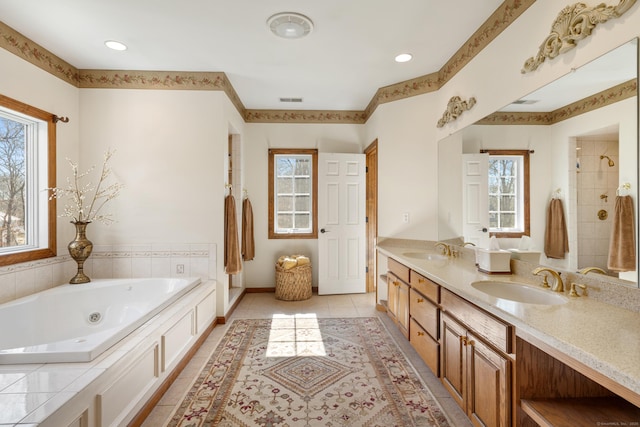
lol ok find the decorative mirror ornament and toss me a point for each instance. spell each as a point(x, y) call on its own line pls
point(455, 107)
point(574, 23)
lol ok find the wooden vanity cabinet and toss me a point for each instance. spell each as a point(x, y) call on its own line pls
point(398, 295)
point(475, 370)
point(424, 311)
point(554, 390)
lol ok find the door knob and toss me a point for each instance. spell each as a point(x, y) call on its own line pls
point(322, 230)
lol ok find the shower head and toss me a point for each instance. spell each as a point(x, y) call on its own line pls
point(611, 163)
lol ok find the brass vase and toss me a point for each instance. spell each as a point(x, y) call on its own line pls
point(80, 248)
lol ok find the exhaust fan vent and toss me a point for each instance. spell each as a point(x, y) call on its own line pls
point(290, 99)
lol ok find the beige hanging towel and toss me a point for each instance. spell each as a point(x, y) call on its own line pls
point(232, 261)
point(556, 241)
point(248, 242)
point(622, 245)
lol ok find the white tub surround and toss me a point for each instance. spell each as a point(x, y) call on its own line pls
point(584, 332)
point(116, 385)
point(72, 323)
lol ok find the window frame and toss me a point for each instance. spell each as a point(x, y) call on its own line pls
point(525, 193)
point(48, 243)
point(314, 193)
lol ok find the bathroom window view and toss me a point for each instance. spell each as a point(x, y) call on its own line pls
point(294, 174)
point(13, 179)
point(25, 212)
point(508, 198)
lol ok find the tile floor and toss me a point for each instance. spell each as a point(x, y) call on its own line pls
point(264, 305)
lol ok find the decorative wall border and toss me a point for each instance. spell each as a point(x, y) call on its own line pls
point(601, 99)
point(159, 80)
point(304, 116)
point(35, 54)
point(503, 16)
point(21, 46)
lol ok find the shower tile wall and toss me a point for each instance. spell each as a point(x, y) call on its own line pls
point(106, 262)
point(597, 183)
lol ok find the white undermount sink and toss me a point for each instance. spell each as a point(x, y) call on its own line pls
point(430, 256)
point(514, 291)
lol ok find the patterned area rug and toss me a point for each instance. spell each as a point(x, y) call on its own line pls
point(304, 371)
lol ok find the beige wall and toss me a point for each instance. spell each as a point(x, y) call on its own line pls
point(493, 77)
point(258, 139)
point(171, 145)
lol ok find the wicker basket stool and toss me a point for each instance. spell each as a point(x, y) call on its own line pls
point(293, 284)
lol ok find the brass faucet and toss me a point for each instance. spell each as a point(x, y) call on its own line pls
point(446, 249)
point(558, 285)
point(590, 269)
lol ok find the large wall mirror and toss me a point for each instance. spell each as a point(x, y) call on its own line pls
point(582, 133)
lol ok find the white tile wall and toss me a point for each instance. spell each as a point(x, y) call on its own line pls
point(596, 178)
point(106, 262)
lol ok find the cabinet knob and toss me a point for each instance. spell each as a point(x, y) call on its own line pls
point(396, 283)
point(420, 334)
point(419, 300)
point(421, 280)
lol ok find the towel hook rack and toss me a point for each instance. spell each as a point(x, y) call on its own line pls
point(623, 190)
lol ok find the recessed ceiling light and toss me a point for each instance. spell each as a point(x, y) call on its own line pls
point(404, 57)
point(112, 44)
point(290, 25)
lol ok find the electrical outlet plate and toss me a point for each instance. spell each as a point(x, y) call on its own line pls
point(179, 268)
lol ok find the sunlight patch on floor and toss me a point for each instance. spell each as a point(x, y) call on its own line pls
point(295, 335)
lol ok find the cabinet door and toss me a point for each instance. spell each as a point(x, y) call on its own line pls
point(489, 392)
point(403, 307)
point(392, 294)
point(453, 358)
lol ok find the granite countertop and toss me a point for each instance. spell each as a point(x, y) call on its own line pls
point(601, 336)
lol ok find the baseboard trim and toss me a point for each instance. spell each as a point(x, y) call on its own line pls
point(222, 320)
point(314, 289)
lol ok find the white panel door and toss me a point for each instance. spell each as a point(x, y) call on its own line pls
point(341, 222)
point(475, 199)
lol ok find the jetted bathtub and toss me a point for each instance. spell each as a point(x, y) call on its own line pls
point(76, 323)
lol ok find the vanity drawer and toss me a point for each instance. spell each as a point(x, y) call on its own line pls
point(427, 347)
point(400, 270)
point(425, 286)
point(495, 331)
point(425, 313)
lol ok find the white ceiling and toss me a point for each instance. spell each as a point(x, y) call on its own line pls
point(339, 66)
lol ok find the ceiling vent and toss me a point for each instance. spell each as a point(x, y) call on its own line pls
point(290, 99)
point(525, 102)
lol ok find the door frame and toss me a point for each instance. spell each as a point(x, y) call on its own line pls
point(371, 164)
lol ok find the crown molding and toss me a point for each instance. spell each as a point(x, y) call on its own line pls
point(40, 57)
point(609, 96)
